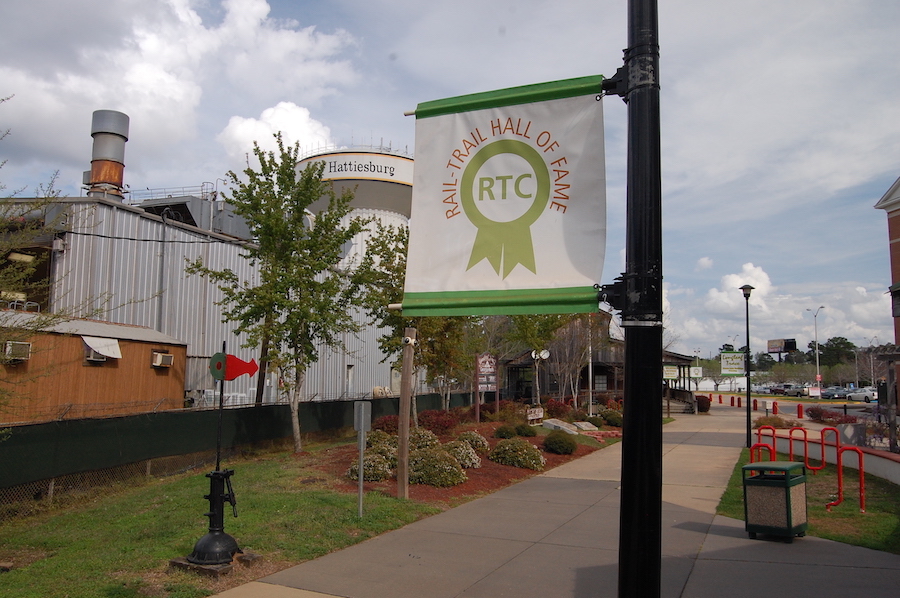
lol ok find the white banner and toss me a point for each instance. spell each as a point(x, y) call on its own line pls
point(509, 208)
point(733, 363)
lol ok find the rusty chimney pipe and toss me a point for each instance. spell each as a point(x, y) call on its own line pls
point(110, 132)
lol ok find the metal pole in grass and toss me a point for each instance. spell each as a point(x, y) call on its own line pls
point(362, 423)
point(217, 547)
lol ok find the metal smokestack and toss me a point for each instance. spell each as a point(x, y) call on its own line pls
point(110, 132)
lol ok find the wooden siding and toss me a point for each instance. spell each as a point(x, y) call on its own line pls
point(58, 383)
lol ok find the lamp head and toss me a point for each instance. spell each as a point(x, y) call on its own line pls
point(746, 290)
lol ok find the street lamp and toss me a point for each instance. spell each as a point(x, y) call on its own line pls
point(746, 290)
point(872, 362)
point(816, 332)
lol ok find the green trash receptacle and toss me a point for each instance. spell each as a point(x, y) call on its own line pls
point(775, 499)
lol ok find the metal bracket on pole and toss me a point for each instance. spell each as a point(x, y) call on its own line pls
point(617, 85)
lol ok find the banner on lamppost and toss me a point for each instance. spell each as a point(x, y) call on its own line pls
point(509, 203)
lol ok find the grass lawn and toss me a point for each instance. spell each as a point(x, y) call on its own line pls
point(118, 544)
point(878, 528)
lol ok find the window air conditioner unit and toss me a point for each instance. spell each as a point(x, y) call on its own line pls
point(163, 360)
point(94, 356)
point(17, 351)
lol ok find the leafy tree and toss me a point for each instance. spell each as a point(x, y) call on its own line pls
point(445, 349)
point(712, 369)
point(764, 362)
point(303, 299)
point(837, 350)
point(536, 332)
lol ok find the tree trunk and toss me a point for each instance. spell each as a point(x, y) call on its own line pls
point(263, 366)
point(299, 380)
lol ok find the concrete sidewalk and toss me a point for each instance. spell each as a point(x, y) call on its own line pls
point(557, 534)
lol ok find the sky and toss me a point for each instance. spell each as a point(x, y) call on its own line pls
point(780, 122)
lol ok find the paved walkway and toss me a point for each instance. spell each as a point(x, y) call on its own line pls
point(556, 535)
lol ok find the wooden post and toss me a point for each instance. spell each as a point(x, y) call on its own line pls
point(409, 340)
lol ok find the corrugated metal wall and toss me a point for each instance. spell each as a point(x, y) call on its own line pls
point(130, 266)
point(136, 261)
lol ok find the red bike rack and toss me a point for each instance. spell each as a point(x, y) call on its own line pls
point(840, 476)
point(759, 446)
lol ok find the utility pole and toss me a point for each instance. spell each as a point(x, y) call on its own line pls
point(638, 293)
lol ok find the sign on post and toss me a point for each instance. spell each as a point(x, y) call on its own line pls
point(486, 366)
point(733, 363)
point(362, 423)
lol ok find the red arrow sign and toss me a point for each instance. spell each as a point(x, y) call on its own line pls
point(229, 367)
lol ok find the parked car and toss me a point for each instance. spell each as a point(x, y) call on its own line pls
point(867, 394)
point(834, 392)
point(794, 390)
point(777, 389)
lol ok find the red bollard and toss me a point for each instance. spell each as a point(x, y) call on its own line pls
point(774, 407)
point(755, 405)
point(732, 401)
point(720, 399)
point(739, 402)
point(800, 411)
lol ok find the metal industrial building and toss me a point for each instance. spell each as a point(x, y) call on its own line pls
point(124, 257)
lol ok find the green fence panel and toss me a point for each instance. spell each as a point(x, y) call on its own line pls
point(43, 451)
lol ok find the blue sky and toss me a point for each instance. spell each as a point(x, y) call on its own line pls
point(780, 124)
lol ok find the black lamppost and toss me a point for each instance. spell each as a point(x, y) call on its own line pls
point(746, 290)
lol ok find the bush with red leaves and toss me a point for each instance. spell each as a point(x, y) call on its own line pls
point(556, 409)
point(438, 421)
point(387, 423)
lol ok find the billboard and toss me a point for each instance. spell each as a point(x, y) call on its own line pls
point(782, 345)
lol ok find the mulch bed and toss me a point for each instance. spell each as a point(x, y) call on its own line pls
point(483, 480)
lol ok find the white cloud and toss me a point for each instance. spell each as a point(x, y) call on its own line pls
point(174, 71)
point(294, 122)
point(704, 263)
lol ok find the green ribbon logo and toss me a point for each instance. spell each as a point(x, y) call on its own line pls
point(505, 244)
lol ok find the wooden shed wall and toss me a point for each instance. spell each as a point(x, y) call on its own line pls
point(58, 383)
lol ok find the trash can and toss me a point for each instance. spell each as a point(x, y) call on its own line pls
point(775, 499)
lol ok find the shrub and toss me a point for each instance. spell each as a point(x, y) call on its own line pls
point(435, 467)
point(827, 416)
point(560, 443)
point(703, 404)
point(518, 452)
point(386, 450)
point(465, 414)
point(612, 418)
point(387, 423)
point(420, 438)
point(505, 431)
point(579, 415)
point(597, 421)
point(375, 468)
point(525, 430)
point(510, 412)
point(476, 441)
point(464, 454)
point(556, 409)
point(378, 437)
point(438, 421)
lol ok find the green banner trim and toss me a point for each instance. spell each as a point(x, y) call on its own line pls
point(571, 300)
point(511, 96)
